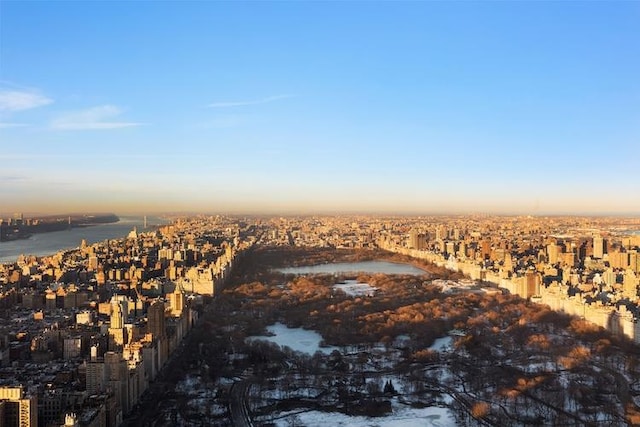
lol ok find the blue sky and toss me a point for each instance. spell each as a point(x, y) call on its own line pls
point(424, 107)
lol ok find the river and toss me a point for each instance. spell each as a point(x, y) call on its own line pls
point(41, 244)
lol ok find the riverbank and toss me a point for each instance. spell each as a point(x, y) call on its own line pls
point(44, 244)
point(17, 229)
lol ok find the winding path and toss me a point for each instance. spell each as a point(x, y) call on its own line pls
point(238, 406)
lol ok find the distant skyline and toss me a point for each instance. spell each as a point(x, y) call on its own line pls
point(304, 107)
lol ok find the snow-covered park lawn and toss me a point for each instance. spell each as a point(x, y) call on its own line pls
point(297, 339)
point(402, 416)
point(355, 289)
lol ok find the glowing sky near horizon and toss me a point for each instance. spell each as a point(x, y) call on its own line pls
point(282, 107)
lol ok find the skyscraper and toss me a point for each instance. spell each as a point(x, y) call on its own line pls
point(117, 315)
point(155, 319)
point(117, 332)
point(598, 247)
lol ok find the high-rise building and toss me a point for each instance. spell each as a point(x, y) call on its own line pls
point(413, 239)
point(450, 248)
point(155, 319)
point(117, 315)
point(96, 379)
point(609, 276)
point(462, 250)
point(598, 246)
point(440, 232)
point(619, 259)
point(176, 301)
point(630, 285)
point(20, 408)
point(417, 240)
point(117, 331)
point(93, 263)
point(485, 248)
point(532, 283)
point(552, 253)
point(117, 378)
point(72, 347)
point(508, 263)
point(634, 261)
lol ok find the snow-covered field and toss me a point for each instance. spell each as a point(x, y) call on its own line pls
point(402, 416)
point(355, 289)
point(308, 342)
point(451, 286)
point(297, 339)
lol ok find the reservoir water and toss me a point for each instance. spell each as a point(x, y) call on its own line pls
point(49, 243)
point(371, 267)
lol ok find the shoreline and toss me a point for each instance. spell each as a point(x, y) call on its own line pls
point(25, 232)
point(49, 243)
point(411, 263)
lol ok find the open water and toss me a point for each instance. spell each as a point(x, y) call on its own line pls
point(384, 267)
point(49, 243)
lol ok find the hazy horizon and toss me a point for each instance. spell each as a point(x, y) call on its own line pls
point(525, 108)
point(293, 213)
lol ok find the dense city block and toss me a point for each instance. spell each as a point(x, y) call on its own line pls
point(509, 321)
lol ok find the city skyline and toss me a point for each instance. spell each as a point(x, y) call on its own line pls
point(135, 107)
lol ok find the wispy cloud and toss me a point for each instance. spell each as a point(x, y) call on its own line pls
point(12, 178)
point(20, 100)
point(251, 102)
point(102, 117)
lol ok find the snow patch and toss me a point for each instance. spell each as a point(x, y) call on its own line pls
point(297, 339)
point(442, 344)
point(355, 289)
point(401, 417)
